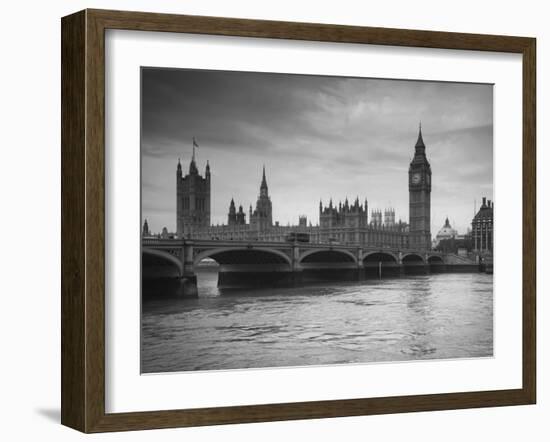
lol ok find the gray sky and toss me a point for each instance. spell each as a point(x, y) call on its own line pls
point(319, 137)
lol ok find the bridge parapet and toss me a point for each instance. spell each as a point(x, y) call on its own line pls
point(294, 253)
point(267, 260)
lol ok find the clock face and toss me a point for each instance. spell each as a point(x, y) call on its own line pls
point(416, 178)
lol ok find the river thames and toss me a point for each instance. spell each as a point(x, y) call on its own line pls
point(438, 316)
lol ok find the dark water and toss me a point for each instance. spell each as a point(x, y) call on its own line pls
point(423, 317)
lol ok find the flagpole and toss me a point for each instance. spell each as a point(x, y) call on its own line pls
point(194, 145)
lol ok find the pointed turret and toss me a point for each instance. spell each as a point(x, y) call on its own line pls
point(193, 167)
point(420, 142)
point(263, 186)
point(146, 231)
point(264, 181)
point(263, 215)
point(207, 172)
point(420, 150)
point(240, 216)
point(232, 215)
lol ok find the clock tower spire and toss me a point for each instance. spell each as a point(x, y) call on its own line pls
point(420, 188)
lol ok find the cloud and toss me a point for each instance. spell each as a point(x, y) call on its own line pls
point(318, 136)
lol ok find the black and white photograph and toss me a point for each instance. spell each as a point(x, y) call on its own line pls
point(304, 220)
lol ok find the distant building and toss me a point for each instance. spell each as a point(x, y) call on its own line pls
point(145, 231)
point(346, 223)
point(193, 199)
point(389, 217)
point(261, 219)
point(235, 218)
point(448, 240)
point(345, 215)
point(482, 228)
point(445, 233)
point(420, 189)
point(376, 217)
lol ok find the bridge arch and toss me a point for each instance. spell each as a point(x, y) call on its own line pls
point(376, 257)
point(435, 259)
point(412, 258)
point(244, 255)
point(152, 258)
point(327, 255)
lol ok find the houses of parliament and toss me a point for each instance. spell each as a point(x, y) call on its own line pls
point(345, 223)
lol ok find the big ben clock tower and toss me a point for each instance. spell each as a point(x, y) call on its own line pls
point(420, 188)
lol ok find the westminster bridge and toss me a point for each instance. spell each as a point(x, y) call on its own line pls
point(256, 263)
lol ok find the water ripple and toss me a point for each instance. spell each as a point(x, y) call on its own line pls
point(425, 317)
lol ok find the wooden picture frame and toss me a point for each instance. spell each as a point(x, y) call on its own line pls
point(83, 220)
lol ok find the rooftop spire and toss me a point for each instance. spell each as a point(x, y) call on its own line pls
point(264, 181)
point(420, 141)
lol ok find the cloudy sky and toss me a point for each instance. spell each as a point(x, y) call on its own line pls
point(319, 138)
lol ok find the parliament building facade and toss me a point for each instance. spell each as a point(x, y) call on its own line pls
point(345, 223)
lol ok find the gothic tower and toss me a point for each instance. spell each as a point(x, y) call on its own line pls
point(420, 188)
point(232, 215)
point(193, 199)
point(145, 232)
point(241, 218)
point(262, 218)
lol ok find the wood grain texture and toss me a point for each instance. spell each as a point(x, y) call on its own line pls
point(73, 254)
point(95, 222)
point(83, 220)
point(529, 220)
point(145, 21)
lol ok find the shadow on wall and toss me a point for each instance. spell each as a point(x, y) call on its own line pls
point(51, 414)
